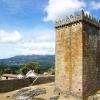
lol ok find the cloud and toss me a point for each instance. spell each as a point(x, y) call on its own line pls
point(37, 48)
point(42, 42)
point(59, 8)
point(39, 41)
point(41, 48)
point(9, 37)
point(41, 35)
point(95, 5)
point(87, 12)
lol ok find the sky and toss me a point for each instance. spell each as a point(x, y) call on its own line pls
point(27, 26)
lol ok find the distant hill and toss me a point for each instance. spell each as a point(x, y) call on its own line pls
point(44, 60)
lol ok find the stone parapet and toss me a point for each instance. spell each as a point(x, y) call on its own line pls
point(77, 18)
point(10, 85)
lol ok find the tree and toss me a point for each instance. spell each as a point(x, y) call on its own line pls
point(51, 70)
point(1, 71)
point(30, 66)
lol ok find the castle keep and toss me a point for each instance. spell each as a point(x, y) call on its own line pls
point(78, 55)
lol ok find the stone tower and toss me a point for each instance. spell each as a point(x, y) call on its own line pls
point(78, 55)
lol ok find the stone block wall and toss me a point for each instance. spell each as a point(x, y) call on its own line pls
point(69, 58)
point(91, 59)
point(10, 85)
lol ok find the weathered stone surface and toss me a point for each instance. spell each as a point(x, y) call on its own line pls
point(54, 98)
point(77, 58)
point(28, 94)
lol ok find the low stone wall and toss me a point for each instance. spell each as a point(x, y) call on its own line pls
point(10, 85)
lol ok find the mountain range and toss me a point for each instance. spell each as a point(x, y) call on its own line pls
point(45, 61)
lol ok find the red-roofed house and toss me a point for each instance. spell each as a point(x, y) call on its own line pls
point(10, 76)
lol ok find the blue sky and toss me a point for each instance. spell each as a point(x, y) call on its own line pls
point(26, 26)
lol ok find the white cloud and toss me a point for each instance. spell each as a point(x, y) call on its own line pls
point(42, 35)
point(87, 12)
point(95, 5)
point(37, 48)
point(59, 8)
point(9, 37)
point(41, 48)
point(41, 43)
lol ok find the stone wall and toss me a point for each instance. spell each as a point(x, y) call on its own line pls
point(91, 57)
point(10, 85)
point(69, 59)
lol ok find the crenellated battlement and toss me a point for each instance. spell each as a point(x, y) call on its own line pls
point(77, 18)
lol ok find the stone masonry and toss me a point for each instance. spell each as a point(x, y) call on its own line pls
point(78, 55)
